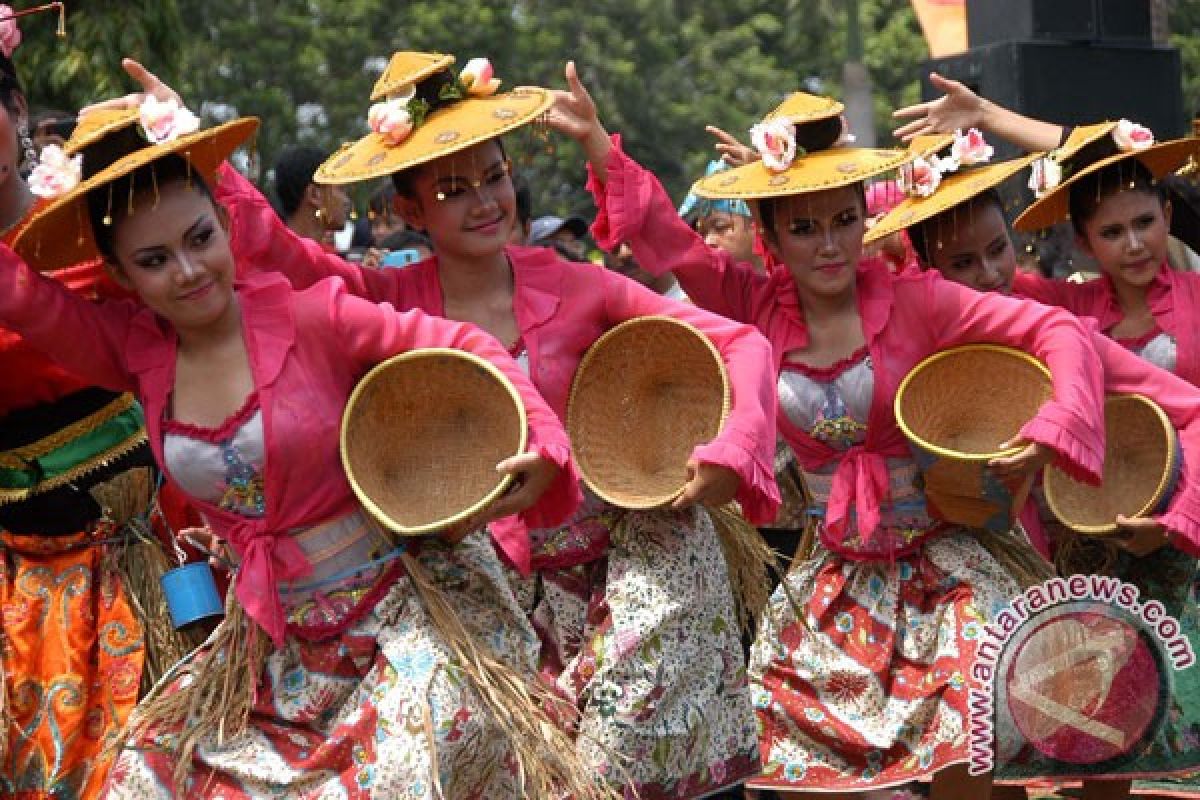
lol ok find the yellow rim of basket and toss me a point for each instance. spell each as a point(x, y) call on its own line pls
point(942, 451)
point(589, 356)
point(1164, 480)
point(414, 355)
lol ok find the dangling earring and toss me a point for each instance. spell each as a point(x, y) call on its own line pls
point(30, 156)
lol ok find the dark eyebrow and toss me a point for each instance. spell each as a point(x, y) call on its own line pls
point(499, 162)
point(191, 231)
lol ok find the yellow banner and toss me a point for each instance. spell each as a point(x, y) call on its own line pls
point(944, 23)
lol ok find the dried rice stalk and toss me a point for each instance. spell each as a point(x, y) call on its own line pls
point(1078, 553)
point(547, 761)
point(1012, 550)
point(749, 560)
point(211, 695)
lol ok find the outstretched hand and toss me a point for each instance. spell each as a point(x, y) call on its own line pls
point(958, 108)
point(574, 114)
point(1032, 457)
point(709, 485)
point(151, 85)
point(1140, 536)
point(532, 475)
point(733, 152)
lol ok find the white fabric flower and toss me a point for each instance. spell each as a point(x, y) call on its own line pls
point(920, 178)
point(479, 78)
point(775, 141)
point(55, 173)
point(391, 120)
point(1130, 136)
point(166, 120)
point(971, 148)
point(1045, 175)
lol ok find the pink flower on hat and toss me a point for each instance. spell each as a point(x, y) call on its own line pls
point(1130, 136)
point(10, 34)
point(971, 148)
point(775, 140)
point(391, 120)
point(166, 120)
point(479, 78)
point(920, 178)
point(55, 173)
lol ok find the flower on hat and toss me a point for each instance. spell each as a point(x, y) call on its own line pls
point(55, 173)
point(1131, 137)
point(1045, 175)
point(166, 120)
point(10, 34)
point(970, 148)
point(775, 140)
point(478, 78)
point(391, 120)
point(920, 178)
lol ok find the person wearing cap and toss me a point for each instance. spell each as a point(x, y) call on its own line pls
point(634, 608)
point(333, 669)
point(725, 224)
point(570, 234)
point(844, 332)
point(1105, 179)
point(960, 231)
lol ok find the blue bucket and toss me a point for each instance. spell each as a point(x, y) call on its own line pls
point(191, 594)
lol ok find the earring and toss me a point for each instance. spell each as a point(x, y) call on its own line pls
point(30, 154)
point(317, 213)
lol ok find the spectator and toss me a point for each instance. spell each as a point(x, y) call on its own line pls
point(569, 233)
point(311, 210)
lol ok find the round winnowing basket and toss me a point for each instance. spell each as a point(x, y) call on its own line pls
point(422, 434)
point(645, 395)
point(1141, 467)
point(956, 408)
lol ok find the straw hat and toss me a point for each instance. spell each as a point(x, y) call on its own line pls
point(1141, 466)
point(428, 111)
point(422, 434)
point(645, 395)
point(785, 169)
point(954, 190)
point(1091, 148)
point(956, 408)
point(110, 145)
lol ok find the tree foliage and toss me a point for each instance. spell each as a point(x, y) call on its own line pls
point(660, 69)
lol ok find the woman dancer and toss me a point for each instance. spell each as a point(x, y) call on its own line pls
point(340, 665)
point(863, 684)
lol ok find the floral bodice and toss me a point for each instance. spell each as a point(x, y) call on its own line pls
point(1158, 347)
point(224, 465)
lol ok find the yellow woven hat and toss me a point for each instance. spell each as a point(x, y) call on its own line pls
point(645, 395)
point(422, 434)
point(425, 111)
point(785, 168)
point(954, 190)
point(1089, 149)
point(106, 146)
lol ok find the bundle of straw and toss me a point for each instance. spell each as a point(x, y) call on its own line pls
point(749, 560)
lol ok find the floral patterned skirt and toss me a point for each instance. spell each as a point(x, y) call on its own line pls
point(870, 688)
point(377, 712)
point(72, 661)
point(644, 641)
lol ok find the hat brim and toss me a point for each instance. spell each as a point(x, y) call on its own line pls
point(446, 131)
point(60, 235)
point(812, 172)
point(955, 189)
point(1054, 206)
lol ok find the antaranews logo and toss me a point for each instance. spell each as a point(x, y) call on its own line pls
point(1078, 668)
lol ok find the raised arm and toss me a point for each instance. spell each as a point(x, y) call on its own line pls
point(549, 490)
point(261, 242)
point(633, 207)
point(88, 339)
point(746, 444)
point(1072, 423)
point(960, 108)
